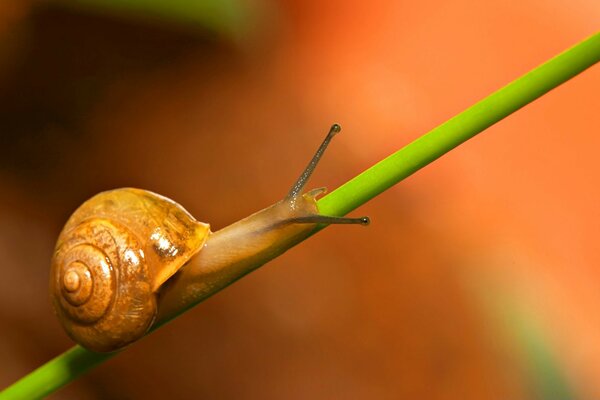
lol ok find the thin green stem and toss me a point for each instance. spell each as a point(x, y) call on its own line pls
point(76, 361)
point(462, 127)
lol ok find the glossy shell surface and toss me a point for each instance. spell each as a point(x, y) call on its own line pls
point(112, 257)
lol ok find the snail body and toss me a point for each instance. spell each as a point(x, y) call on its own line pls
point(128, 259)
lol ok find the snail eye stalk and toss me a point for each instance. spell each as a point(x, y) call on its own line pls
point(324, 219)
point(310, 168)
point(296, 190)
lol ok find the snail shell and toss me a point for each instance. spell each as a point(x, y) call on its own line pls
point(112, 257)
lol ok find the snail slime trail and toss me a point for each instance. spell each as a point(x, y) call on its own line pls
point(118, 263)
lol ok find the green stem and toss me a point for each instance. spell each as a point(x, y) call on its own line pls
point(73, 363)
point(462, 127)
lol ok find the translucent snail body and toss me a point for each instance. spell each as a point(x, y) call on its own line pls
point(129, 258)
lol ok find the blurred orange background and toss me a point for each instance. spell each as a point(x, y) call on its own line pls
point(478, 278)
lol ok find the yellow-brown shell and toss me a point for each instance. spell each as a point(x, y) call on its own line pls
point(112, 256)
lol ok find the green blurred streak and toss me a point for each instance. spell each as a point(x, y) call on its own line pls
point(548, 379)
point(228, 17)
point(71, 364)
point(514, 321)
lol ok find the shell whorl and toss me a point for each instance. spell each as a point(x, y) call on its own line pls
point(102, 288)
point(111, 258)
point(84, 271)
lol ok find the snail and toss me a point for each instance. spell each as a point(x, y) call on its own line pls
point(129, 259)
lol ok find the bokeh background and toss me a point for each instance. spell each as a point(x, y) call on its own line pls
point(478, 278)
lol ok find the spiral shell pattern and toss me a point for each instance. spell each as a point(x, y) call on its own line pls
point(111, 260)
point(101, 287)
